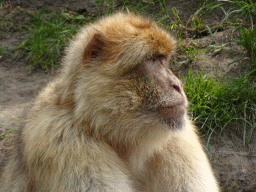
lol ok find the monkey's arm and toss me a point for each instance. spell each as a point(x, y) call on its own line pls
point(181, 166)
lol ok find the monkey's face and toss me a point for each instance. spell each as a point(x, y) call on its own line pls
point(164, 96)
point(151, 89)
point(126, 79)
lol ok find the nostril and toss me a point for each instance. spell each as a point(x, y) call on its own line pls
point(176, 88)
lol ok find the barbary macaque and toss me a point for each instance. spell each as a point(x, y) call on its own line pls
point(114, 119)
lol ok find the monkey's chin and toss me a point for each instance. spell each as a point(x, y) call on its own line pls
point(172, 116)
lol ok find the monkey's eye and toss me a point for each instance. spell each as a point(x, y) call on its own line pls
point(157, 58)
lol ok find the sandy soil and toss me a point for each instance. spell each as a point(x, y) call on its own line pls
point(233, 163)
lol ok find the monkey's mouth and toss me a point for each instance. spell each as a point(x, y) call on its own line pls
point(171, 115)
point(173, 110)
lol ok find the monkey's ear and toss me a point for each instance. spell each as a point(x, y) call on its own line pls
point(94, 47)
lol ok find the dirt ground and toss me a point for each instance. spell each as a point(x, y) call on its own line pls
point(233, 163)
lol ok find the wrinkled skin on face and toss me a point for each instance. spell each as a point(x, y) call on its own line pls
point(166, 98)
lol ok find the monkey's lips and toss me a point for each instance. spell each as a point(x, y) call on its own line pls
point(173, 111)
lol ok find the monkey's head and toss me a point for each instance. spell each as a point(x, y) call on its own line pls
point(123, 79)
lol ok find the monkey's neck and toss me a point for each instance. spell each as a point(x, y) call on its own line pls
point(123, 151)
point(135, 155)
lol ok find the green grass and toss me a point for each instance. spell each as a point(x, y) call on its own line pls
point(242, 9)
point(3, 3)
point(248, 41)
point(216, 106)
point(131, 5)
point(11, 130)
point(190, 50)
point(1, 50)
point(49, 34)
point(245, 11)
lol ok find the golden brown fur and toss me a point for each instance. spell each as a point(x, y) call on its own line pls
point(113, 120)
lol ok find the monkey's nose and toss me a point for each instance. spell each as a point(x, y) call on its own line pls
point(176, 87)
